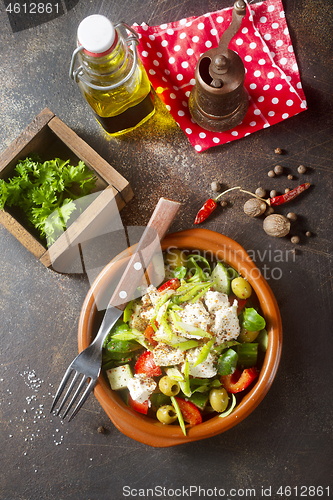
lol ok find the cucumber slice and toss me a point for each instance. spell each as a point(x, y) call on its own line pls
point(199, 400)
point(119, 377)
point(221, 278)
point(262, 339)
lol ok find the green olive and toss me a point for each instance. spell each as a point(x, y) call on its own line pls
point(247, 335)
point(218, 399)
point(166, 414)
point(241, 288)
point(168, 386)
point(176, 257)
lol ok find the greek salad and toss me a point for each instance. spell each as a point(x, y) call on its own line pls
point(189, 349)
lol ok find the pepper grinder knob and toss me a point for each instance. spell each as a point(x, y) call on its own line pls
point(218, 101)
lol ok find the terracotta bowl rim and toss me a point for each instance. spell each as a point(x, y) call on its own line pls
point(150, 431)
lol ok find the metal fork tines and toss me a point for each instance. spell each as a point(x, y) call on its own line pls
point(84, 379)
point(85, 368)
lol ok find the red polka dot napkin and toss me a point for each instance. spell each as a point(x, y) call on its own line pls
point(170, 52)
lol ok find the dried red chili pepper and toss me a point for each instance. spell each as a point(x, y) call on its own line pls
point(284, 198)
point(209, 206)
point(205, 211)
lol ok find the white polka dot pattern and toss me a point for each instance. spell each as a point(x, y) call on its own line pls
point(170, 51)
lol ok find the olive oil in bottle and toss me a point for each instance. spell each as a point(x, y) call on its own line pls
point(111, 76)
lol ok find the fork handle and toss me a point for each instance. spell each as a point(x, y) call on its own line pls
point(158, 225)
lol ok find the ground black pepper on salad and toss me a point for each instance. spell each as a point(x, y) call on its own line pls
point(189, 349)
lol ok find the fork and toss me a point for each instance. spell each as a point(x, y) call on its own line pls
point(87, 365)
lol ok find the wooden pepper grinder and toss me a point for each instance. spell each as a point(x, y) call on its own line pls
point(218, 100)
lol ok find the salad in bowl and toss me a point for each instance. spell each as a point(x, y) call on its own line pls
point(193, 356)
point(184, 350)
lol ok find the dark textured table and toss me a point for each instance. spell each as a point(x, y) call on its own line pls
point(284, 448)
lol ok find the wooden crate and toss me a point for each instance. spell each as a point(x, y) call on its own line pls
point(49, 137)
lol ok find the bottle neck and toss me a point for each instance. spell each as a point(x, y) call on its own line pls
point(109, 63)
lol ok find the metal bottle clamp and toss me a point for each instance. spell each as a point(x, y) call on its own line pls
point(78, 74)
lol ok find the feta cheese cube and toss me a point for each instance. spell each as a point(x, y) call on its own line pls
point(147, 313)
point(215, 300)
point(206, 369)
point(196, 315)
point(141, 387)
point(153, 294)
point(165, 355)
point(136, 320)
point(226, 325)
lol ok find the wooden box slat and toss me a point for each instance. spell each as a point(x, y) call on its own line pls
point(48, 136)
point(91, 158)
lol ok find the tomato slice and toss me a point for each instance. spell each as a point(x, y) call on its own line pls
point(149, 334)
point(190, 412)
point(241, 305)
point(146, 364)
point(238, 381)
point(139, 407)
point(174, 283)
point(241, 302)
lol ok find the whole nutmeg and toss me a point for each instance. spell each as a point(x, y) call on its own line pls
point(215, 186)
point(255, 207)
point(276, 225)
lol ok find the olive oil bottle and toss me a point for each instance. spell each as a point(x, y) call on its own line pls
point(110, 76)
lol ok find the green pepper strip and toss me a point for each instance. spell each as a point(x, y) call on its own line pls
point(184, 346)
point(225, 345)
point(196, 257)
point(247, 354)
point(152, 322)
point(179, 414)
point(202, 293)
point(175, 320)
point(132, 335)
point(166, 327)
point(163, 300)
point(187, 389)
point(200, 381)
point(192, 293)
point(194, 331)
point(204, 352)
point(186, 287)
point(128, 312)
point(233, 404)
point(199, 272)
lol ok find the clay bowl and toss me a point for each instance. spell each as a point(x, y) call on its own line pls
point(147, 430)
